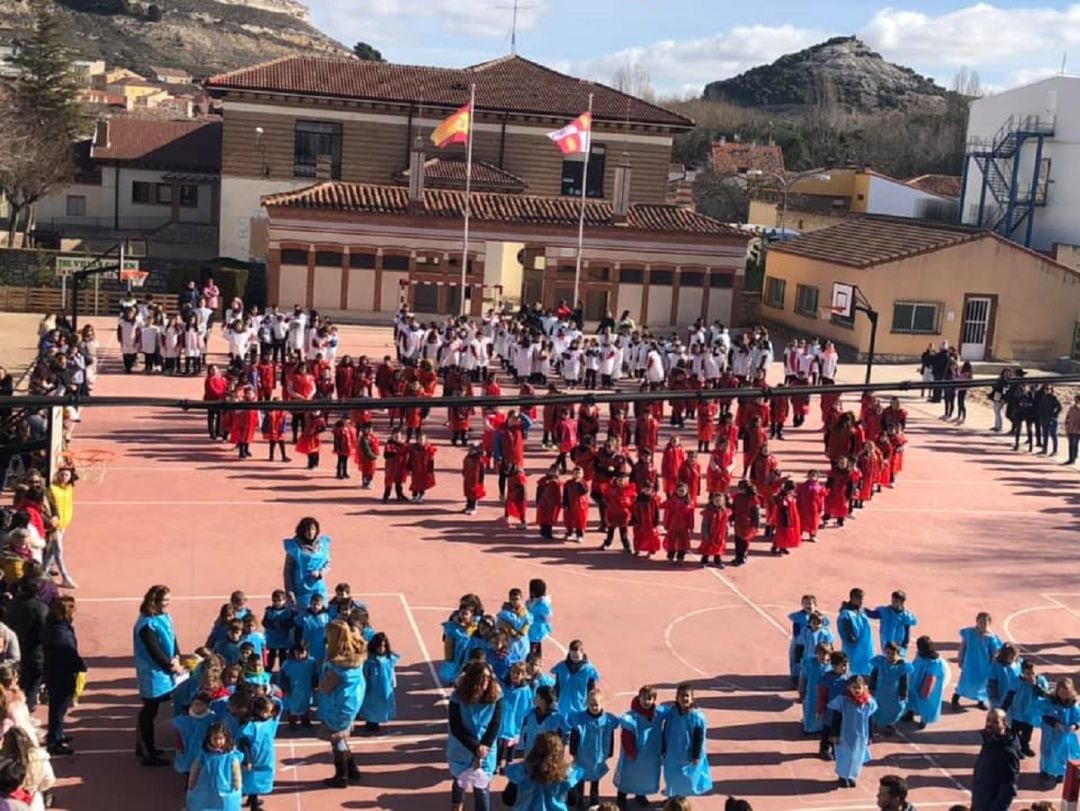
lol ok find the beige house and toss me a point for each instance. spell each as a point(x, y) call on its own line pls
point(929, 282)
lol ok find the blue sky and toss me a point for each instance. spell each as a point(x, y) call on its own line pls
point(682, 44)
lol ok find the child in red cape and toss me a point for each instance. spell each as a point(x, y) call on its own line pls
point(396, 454)
point(746, 518)
point(690, 475)
point(618, 498)
point(345, 446)
point(718, 472)
point(672, 461)
point(516, 481)
point(678, 523)
point(715, 518)
point(810, 498)
point(367, 455)
point(548, 501)
point(787, 531)
point(472, 477)
point(575, 502)
point(273, 430)
point(838, 500)
point(421, 467)
point(244, 425)
point(706, 424)
point(645, 519)
point(308, 443)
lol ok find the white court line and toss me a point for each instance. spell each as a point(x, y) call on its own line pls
point(423, 647)
point(1005, 626)
point(784, 633)
point(210, 598)
point(1061, 605)
point(302, 744)
point(672, 650)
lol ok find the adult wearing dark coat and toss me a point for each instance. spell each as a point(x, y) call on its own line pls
point(997, 769)
point(26, 617)
point(63, 664)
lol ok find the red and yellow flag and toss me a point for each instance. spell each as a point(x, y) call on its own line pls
point(574, 138)
point(453, 129)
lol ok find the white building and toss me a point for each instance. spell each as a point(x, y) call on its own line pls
point(1022, 171)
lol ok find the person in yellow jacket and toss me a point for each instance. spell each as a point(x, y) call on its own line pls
point(63, 497)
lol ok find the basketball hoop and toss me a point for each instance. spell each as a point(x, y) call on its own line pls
point(89, 463)
point(133, 276)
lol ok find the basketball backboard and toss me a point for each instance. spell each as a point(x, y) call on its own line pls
point(843, 300)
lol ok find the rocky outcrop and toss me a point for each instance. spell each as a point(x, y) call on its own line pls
point(842, 71)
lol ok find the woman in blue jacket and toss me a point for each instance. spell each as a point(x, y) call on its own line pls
point(157, 664)
point(474, 716)
point(307, 558)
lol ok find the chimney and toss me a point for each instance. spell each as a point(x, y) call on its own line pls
point(324, 165)
point(101, 134)
point(620, 202)
point(417, 159)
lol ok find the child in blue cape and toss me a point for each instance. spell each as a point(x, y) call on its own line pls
point(890, 685)
point(574, 679)
point(928, 676)
point(641, 741)
point(191, 732)
point(1060, 721)
point(1004, 673)
point(228, 648)
point(813, 703)
point(513, 620)
point(686, 763)
point(799, 620)
point(517, 701)
point(279, 623)
point(379, 704)
point(543, 717)
point(311, 624)
point(253, 636)
point(535, 673)
point(895, 622)
point(539, 607)
point(852, 728)
point(592, 744)
point(978, 646)
point(298, 683)
point(238, 601)
point(815, 632)
point(342, 604)
point(1023, 704)
point(215, 779)
point(856, 637)
point(457, 633)
point(544, 780)
point(256, 742)
point(219, 630)
point(832, 686)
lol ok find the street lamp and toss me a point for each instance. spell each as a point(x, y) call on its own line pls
point(786, 184)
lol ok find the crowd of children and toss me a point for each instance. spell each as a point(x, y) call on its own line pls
point(849, 695)
point(731, 490)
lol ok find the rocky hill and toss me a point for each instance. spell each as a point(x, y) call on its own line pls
point(203, 37)
point(841, 71)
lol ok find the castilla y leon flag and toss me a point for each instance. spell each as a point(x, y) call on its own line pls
point(574, 137)
point(454, 129)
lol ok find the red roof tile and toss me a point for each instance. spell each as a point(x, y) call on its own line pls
point(450, 173)
point(945, 185)
point(509, 84)
point(494, 207)
point(736, 157)
point(193, 145)
point(868, 240)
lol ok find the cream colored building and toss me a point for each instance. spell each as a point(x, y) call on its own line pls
point(929, 282)
point(822, 199)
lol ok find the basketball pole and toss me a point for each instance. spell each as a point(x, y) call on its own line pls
point(862, 304)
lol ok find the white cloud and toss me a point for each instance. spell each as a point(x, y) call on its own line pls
point(981, 35)
point(677, 65)
point(405, 22)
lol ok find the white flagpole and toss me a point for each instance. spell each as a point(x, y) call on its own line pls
point(581, 214)
point(468, 193)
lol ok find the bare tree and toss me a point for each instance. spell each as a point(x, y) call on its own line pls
point(34, 163)
point(634, 80)
point(966, 83)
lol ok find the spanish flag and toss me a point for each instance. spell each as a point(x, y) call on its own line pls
point(454, 129)
point(575, 137)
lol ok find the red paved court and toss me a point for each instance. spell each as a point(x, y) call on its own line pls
point(970, 527)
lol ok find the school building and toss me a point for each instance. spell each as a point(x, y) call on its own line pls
point(329, 177)
point(929, 282)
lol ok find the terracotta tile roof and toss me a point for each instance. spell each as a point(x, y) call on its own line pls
point(495, 207)
point(868, 240)
point(730, 158)
point(192, 145)
point(509, 84)
point(945, 185)
point(450, 173)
